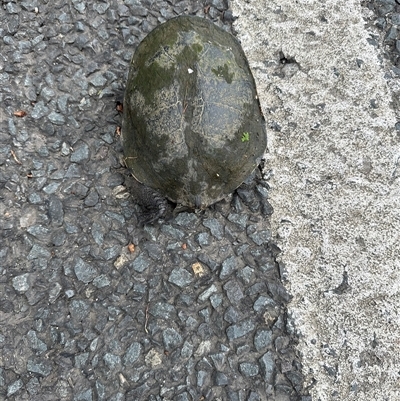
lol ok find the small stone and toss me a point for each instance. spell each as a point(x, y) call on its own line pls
point(171, 339)
point(228, 267)
point(231, 315)
point(84, 271)
point(21, 283)
point(207, 293)
point(239, 219)
point(187, 220)
point(56, 211)
point(220, 379)
point(187, 350)
point(240, 329)
point(141, 263)
point(65, 149)
point(202, 377)
point(47, 94)
point(35, 343)
point(132, 354)
point(233, 291)
point(35, 198)
point(162, 310)
point(262, 340)
point(261, 237)
point(79, 309)
point(262, 303)
point(37, 252)
point(32, 386)
point(245, 274)
point(56, 118)
point(267, 366)
point(248, 369)
point(51, 188)
point(183, 397)
point(39, 366)
point(58, 237)
point(80, 153)
point(17, 385)
point(92, 198)
point(98, 80)
point(203, 239)
point(153, 358)
point(101, 281)
point(203, 348)
point(173, 232)
point(215, 227)
point(39, 110)
point(54, 292)
point(81, 359)
point(180, 277)
point(255, 397)
point(216, 300)
point(112, 361)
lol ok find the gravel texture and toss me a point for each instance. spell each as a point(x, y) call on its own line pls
point(93, 306)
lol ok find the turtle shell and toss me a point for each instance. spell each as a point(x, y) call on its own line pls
point(192, 126)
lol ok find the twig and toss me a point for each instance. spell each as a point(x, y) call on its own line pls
point(146, 318)
point(15, 157)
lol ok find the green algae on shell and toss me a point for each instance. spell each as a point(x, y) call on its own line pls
point(189, 99)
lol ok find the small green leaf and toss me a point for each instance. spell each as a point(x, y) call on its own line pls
point(245, 137)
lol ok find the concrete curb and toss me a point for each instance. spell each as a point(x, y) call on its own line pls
point(334, 156)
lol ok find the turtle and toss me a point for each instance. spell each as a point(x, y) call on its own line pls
point(192, 127)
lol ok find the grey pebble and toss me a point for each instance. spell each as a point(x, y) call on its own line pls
point(261, 237)
point(239, 219)
point(263, 339)
point(245, 274)
point(132, 354)
point(207, 293)
point(21, 282)
point(39, 110)
point(56, 210)
point(231, 315)
point(171, 338)
point(221, 379)
point(187, 350)
point(101, 281)
point(162, 310)
point(233, 291)
point(215, 227)
point(228, 267)
point(186, 219)
point(35, 343)
point(202, 378)
point(216, 300)
point(54, 292)
point(79, 309)
point(249, 369)
point(56, 118)
point(112, 361)
point(180, 277)
point(39, 366)
point(84, 271)
point(15, 386)
point(203, 239)
point(80, 153)
point(240, 329)
point(38, 251)
point(267, 367)
point(141, 263)
point(173, 232)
